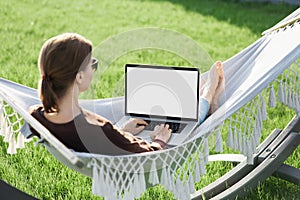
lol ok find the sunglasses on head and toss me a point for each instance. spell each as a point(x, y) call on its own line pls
point(94, 64)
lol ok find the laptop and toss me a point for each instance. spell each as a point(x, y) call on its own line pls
point(162, 95)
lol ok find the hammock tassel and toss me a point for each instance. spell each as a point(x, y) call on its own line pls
point(249, 154)
point(259, 121)
point(272, 98)
point(229, 140)
point(171, 182)
point(297, 104)
point(197, 171)
point(280, 93)
point(113, 195)
point(295, 101)
point(285, 95)
point(96, 182)
point(2, 122)
point(135, 190)
point(219, 142)
point(250, 160)
point(202, 165)
point(153, 177)
point(235, 139)
point(253, 143)
point(191, 184)
point(142, 182)
point(290, 100)
point(165, 178)
point(20, 141)
point(3, 127)
point(206, 151)
point(245, 145)
point(12, 144)
point(9, 134)
point(110, 190)
point(186, 190)
point(258, 129)
point(264, 109)
point(127, 194)
point(240, 142)
point(181, 189)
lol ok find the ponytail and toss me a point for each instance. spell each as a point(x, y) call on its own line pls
point(48, 96)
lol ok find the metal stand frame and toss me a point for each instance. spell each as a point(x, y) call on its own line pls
point(9, 192)
point(268, 161)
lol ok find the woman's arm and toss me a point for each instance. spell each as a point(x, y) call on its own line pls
point(125, 140)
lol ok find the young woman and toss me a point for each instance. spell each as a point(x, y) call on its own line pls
point(67, 68)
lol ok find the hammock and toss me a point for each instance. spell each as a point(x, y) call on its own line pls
point(268, 67)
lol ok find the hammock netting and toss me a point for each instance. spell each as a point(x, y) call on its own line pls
point(261, 76)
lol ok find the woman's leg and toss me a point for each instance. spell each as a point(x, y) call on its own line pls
point(204, 108)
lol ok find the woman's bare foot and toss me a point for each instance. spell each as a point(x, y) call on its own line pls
point(212, 81)
point(220, 89)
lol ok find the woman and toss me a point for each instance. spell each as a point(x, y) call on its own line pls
point(66, 68)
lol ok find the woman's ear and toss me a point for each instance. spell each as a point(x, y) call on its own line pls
point(79, 77)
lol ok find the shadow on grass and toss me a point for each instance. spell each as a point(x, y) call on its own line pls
point(241, 14)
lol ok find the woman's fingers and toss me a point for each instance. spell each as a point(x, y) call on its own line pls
point(161, 132)
point(140, 122)
point(164, 133)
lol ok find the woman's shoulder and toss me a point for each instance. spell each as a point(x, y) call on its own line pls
point(35, 108)
point(94, 118)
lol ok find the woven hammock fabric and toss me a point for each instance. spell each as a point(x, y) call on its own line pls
point(273, 59)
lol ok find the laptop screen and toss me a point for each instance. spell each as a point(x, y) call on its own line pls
point(159, 91)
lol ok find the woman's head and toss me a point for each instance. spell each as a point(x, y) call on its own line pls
point(61, 59)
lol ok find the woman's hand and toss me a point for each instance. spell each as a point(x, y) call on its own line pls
point(161, 132)
point(134, 126)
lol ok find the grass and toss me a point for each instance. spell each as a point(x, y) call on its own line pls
point(221, 28)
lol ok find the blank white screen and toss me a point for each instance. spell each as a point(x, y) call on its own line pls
point(162, 92)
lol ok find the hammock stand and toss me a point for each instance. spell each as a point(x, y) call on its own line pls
point(268, 161)
point(242, 111)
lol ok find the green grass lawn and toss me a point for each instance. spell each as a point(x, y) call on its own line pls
point(221, 28)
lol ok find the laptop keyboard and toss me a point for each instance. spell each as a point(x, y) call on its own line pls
point(176, 127)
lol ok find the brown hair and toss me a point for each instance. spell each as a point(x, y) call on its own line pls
point(60, 59)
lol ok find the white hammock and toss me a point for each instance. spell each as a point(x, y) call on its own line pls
point(272, 62)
